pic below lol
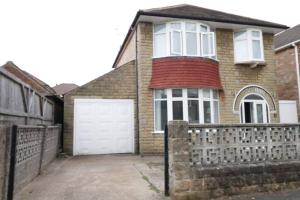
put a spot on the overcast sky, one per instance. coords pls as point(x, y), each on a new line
point(75, 41)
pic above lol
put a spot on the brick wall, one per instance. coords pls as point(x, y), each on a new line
point(150, 142)
point(120, 83)
point(233, 78)
point(287, 75)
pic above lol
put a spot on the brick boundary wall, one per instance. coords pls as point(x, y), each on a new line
point(36, 148)
point(204, 179)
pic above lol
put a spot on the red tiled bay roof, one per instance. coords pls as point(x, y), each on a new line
point(185, 72)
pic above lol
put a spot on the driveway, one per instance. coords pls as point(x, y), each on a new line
point(108, 177)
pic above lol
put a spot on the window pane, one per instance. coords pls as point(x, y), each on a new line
point(176, 42)
point(159, 28)
point(191, 43)
point(203, 28)
point(193, 109)
point(206, 93)
point(205, 43)
point(176, 26)
point(190, 27)
point(240, 35)
point(241, 50)
point(259, 110)
point(254, 97)
point(161, 118)
point(216, 94)
point(192, 93)
point(256, 49)
point(216, 112)
point(207, 112)
point(160, 94)
point(176, 92)
point(255, 34)
point(160, 45)
point(177, 110)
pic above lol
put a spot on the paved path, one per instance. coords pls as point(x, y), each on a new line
point(107, 177)
point(284, 195)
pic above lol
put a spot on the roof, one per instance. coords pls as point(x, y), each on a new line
point(29, 79)
point(200, 13)
point(185, 11)
point(286, 37)
point(64, 88)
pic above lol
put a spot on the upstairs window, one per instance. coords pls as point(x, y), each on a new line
point(183, 39)
point(248, 46)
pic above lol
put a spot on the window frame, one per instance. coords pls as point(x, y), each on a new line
point(249, 39)
point(266, 112)
point(170, 99)
point(184, 31)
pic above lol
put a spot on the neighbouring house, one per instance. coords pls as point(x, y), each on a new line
point(25, 99)
point(64, 88)
point(176, 63)
point(287, 51)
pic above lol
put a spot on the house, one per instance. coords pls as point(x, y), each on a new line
point(287, 51)
point(64, 88)
point(176, 63)
point(26, 99)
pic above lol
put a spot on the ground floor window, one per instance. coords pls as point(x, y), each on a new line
point(254, 109)
point(197, 106)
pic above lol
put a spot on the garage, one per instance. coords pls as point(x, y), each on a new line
point(103, 126)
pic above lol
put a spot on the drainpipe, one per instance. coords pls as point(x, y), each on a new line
point(297, 69)
point(137, 92)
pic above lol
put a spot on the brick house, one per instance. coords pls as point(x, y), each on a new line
point(287, 52)
point(176, 63)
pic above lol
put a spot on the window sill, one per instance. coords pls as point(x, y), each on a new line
point(158, 132)
point(251, 63)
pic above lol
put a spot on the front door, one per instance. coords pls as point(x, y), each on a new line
point(254, 109)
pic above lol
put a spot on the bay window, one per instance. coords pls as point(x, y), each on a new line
point(197, 106)
point(183, 39)
point(248, 46)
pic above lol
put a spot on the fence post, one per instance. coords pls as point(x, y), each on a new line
point(12, 164)
point(42, 147)
point(166, 135)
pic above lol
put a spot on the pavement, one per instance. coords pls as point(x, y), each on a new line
point(113, 177)
point(101, 177)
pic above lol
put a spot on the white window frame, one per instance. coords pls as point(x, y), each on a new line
point(250, 58)
point(162, 33)
point(265, 107)
point(184, 100)
point(183, 31)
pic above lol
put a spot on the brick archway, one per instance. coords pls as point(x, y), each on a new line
point(253, 89)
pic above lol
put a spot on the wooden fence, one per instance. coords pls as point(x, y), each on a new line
point(20, 104)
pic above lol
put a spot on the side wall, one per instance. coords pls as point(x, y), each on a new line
point(287, 75)
point(120, 83)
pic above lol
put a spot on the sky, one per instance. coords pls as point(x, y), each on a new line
point(76, 41)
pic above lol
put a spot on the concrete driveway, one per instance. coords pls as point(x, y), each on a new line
point(107, 177)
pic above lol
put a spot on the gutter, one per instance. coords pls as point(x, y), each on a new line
point(287, 45)
point(297, 69)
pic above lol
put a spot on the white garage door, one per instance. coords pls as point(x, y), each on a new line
point(103, 126)
point(288, 112)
